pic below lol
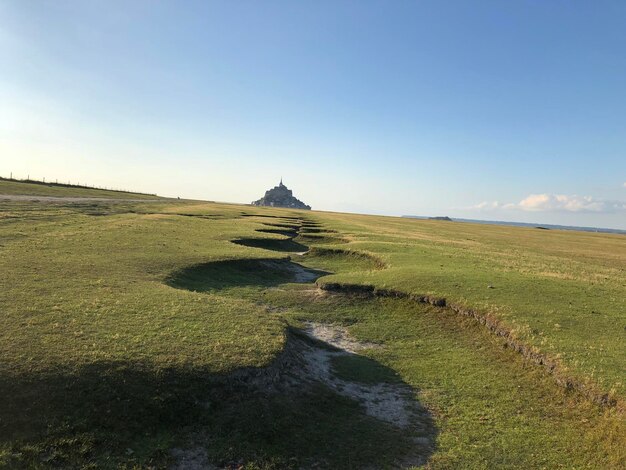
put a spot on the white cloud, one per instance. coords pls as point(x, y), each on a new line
point(625, 185)
point(487, 205)
point(557, 203)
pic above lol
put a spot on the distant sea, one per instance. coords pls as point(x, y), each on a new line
point(524, 224)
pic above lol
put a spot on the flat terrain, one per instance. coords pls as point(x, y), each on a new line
point(174, 334)
point(16, 190)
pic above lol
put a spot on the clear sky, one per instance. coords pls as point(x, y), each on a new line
point(506, 110)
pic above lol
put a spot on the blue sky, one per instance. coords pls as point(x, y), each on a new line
point(493, 110)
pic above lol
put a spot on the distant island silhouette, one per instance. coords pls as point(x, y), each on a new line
point(281, 196)
point(525, 224)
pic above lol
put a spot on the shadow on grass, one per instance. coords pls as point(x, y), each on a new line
point(115, 415)
point(241, 273)
point(284, 245)
point(302, 421)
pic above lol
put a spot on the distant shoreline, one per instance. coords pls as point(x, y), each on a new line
point(526, 224)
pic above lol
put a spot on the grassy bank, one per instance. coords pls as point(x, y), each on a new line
point(41, 188)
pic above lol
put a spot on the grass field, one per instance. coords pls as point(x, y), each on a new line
point(559, 291)
point(131, 330)
point(40, 188)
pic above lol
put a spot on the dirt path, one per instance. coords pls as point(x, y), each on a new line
point(336, 336)
point(393, 403)
point(308, 361)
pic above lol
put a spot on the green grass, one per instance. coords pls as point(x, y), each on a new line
point(562, 292)
point(38, 188)
point(120, 332)
point(339, 260)
point(492, 410)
